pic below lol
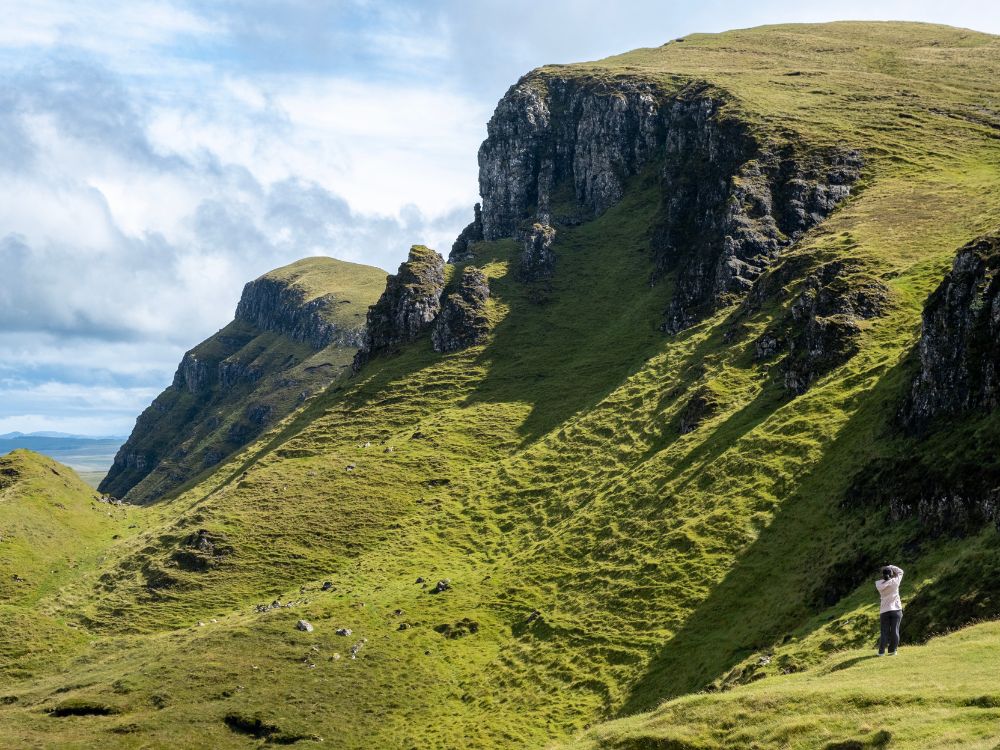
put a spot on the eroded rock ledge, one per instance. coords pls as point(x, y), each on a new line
point(275, 305)
point(462, 322)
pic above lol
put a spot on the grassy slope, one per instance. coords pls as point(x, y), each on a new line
point(52, 529)
point(191, 425)
point(544, 470)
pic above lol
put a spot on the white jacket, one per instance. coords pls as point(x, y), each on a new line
point(889, 591)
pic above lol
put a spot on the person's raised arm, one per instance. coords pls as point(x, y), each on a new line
point(897, 572)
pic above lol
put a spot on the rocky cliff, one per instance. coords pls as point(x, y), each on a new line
point(960, 339)
point(959, 362)
point(561, 149)
point(296, 330)
point(273, 305)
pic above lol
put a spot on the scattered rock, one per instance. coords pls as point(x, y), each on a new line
point(442, 585)
point(403, 626)
point(327, 585)
point(343, 631)
point(304, 626)
point(460, 629)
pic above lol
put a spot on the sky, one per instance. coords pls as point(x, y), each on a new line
point(155, 155)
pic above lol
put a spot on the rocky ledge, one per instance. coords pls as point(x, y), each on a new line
point(275, 305)
point(408, 306)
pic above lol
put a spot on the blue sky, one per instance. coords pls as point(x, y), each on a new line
point(155, 156)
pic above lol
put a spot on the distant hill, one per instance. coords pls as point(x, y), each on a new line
point(89, 457)
point(295, 332)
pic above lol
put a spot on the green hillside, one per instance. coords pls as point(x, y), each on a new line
point(941, 695)
point(618, 515)
point(53, 528)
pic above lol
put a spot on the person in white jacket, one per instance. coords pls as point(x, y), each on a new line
point(891, 609)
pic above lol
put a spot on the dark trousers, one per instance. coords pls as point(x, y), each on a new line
point(890, 630)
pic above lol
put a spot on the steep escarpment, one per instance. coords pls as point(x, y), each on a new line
point(562, 148)
point(296, 329)
point(948, 478)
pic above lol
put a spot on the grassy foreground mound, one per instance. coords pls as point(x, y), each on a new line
point(941, 695)
point(583, 516)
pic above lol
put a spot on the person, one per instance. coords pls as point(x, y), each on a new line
point(891, 609)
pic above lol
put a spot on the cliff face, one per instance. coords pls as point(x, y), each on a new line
point(272, 305)
point(560, 150)
point(960, 339)
point(958, 379)
point(550, 131)
point(463, 322)
point(296, 330)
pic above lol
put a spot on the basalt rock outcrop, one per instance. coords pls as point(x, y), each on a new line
point(537, 260)
point(561, 149)
point(270, 304)
point(461, 249)
point(825, 325)
point(960, 340)
point(462, 321)
point(408, 306)
point(296, 329)
point(549, 131)
point(959, 350)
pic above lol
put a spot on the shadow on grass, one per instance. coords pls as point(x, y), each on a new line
point(848, 663)
point(766, 592)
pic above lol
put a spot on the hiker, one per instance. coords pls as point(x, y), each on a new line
point(891, 609)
